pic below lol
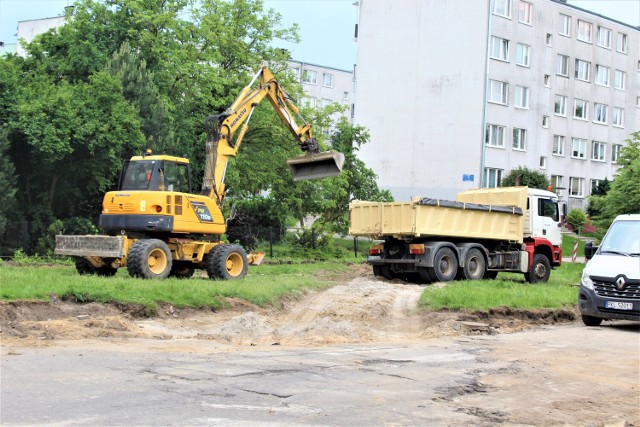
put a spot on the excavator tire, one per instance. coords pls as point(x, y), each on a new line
point(226, 262)
point(181, 271)
point(84, 267)
point(149, 259)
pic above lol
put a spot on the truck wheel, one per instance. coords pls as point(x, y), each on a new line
point(181, 271)
point(591, 321)
point(540, 270)
point(84, 267)
point(474, 265)
point(227, 262)
point(149, 259)
point(445, 266)
point(490, 275)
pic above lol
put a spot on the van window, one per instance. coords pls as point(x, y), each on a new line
point(548, 208)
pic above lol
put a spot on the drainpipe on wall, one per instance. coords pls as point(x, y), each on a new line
point(486, 97)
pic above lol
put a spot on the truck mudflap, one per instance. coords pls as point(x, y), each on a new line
point(87, 246)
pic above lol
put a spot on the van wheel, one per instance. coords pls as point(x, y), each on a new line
point(226, 262)
point(445, 266)
point(540, 270)
point(149, 259)
point(591, 321)
point(474, 265)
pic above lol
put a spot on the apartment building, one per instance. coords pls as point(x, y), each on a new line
point(457, 93)
point(323, 85)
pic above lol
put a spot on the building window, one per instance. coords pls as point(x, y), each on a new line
point(604, 37)
point(562, 65)
point(578, 148)
point(522, 54)
point(618, 117)
point(495, 135)
point(584, 31)
point(498, 92)
point(619, 79)
point(557, 181)
point(309, 76)
point(602, 75)
point(565, 25)
point(502, 8)
point(492, 177)
point(600, 113)
point(582, 70)
point(545, 121)
point(519, 139)
point(561, 105)
point(598, 151)
point(549, 39)
point(622, 44)
point(580, 109)
point(615, 152)
point(327, 80)
point(547, 80)
point(524, 12)
point(576, 187)
point(558, 145)
point(522, 97)
point(543, 162)
point(499, 48)
point(345, 96)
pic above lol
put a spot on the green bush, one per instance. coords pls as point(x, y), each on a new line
point(577, 218)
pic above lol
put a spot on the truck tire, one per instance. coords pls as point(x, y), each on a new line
point(383, 271)
point(226, 262)
point(445, 266)
point(180, 270)
point(474, 266)
point(591, 321)
point(540, 270)
point(149, 259)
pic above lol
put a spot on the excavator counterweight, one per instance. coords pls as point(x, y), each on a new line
point(316, 165)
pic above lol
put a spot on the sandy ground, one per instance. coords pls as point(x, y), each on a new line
point(359, 309)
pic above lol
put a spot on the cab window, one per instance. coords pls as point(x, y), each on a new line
point(548, 208)
point(176, 177)
point(138, 175)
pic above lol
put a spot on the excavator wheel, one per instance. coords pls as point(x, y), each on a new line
point(226, 262)
point(84, 267)
point(149, 259)
point(181, 270)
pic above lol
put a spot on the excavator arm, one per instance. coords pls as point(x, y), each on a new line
point(226, 131)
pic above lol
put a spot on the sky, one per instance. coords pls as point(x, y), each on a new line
point(326, 26)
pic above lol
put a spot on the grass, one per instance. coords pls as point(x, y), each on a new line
point(263, 286)
point(508, 290)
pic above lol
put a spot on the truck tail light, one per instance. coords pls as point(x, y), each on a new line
point(416, 249)
point(376, 250)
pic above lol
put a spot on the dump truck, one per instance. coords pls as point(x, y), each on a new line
point(156, 226)
point(481, 233)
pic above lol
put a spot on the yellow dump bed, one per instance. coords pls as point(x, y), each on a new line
point(493, 213)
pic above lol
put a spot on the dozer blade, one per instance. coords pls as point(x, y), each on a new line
point(316, 165)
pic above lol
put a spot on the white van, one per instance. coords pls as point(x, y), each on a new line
point(610, 284)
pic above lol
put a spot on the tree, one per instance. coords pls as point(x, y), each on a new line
point(526, 177)
point(624, 195)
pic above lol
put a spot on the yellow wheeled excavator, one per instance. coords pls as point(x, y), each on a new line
point(154, 223)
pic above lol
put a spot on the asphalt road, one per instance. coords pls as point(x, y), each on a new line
point(565, 374)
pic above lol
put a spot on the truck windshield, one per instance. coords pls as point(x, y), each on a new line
point(622, 237)
point(548, 208)
point(138, 175)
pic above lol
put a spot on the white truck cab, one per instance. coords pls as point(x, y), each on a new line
point(610, 284)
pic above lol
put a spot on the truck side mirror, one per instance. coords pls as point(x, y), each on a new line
point(589, 249)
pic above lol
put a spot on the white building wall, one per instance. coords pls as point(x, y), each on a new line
point(421, 74)
point(420, 92)
point(28, 30)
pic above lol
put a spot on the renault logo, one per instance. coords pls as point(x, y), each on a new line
point(620, 282)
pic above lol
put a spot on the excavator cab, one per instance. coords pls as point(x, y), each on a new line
point(156, 173)
point(316, 165)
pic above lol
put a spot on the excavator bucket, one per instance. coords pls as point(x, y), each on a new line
point(316, 165)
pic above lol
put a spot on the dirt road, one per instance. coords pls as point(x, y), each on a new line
point(547, 369)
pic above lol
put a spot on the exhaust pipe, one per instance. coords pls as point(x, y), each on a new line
point(316, 165)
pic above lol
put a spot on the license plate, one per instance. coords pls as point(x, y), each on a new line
point(616, 305)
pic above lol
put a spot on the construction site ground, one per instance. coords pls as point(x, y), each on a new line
point(543, 367)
